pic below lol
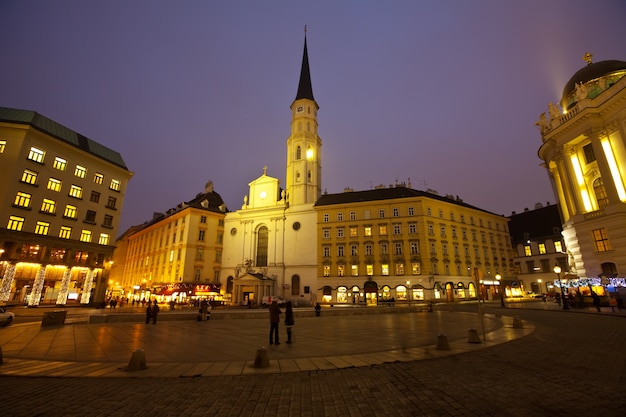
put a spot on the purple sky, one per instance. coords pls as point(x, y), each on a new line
point(445, 93)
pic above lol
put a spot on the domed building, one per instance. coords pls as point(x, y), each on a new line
point(584, 150)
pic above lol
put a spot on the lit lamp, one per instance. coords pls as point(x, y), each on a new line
point(499, 278)
point(557, 271)
point(408, 291)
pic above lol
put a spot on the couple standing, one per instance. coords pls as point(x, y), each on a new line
point(275, 319)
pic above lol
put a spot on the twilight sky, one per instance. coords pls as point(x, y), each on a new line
point(444, 92)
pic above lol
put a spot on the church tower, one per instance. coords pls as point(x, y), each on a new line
point(304, 165)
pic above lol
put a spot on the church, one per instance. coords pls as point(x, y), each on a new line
point(270, 244)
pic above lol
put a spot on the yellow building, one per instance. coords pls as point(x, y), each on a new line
point(374, 245)
point(584, 150)
point(61, 197)
point(175, 256)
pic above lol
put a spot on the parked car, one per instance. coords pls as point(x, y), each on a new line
point(6, 317)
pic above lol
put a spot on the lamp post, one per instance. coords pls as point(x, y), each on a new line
point(408, 291)
point(557, 271)
point(499, 278)
point(539, 284)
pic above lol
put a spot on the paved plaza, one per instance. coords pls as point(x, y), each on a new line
point(559, 363)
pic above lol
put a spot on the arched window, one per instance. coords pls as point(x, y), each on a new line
point(295, 285)
point(600, 192)
point(261, 246)
point(229, 285)
point(298, 153)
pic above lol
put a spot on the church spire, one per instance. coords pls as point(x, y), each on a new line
point(305, 90)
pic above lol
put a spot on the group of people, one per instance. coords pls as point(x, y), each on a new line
point(275, 320)
point(151, 312)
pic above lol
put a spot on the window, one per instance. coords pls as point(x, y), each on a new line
point(326, 217)
point(111, 202)
point(431, 230)
point(381, 213)
point(366, 214)
point(399, 269)
point(326, 251)
point(355, 270)
point(36, 155)
point(433, 248)
point(397, 229)
point(542, 248)
point(54, 184)
point(384, 249)
point(353, 215)
point(48, 206)
point(326, 233)
point(218, 256)
point(262, 246)
point(412, 228)
point(339, 217)
point(76, 191)
point(589, 154)
point(22, 200)
point(108, 221)
point(326, 270)
point(341, 270)
point(396, 212)
point(29, 177)
point(384, 269)
point(382, 230)
point(601, 240)
point(353, 231)
point(85, 236)
point(600, 192)
point(95, 197)
point(202, 219)
point(104, 239)
point(411, 211)
point(369, 270)
point(340, 250)
point(59, 163)
point(429, 211)
point(397, 248)
point(414, 248)
point(42, 228)
point(340, 232)
point(201, 235)
point(15, 223)
point(80, 171)
point(354, 250)
point(90, 217)
point(115, 185)
point(441, 214)
point(527, 251)
point(368, 249)
point(368, 231)
point(415, 268)
point(70, 212)
point(3, 144)
point(65, 232)
point(558, 247)
point(443, 231)
point(98, 178)
point(454, 232)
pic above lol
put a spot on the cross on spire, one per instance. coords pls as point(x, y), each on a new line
point(265, 169)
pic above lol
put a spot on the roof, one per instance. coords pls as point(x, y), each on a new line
point(391, 193)
point(305, 89)
point(535, 224)
point(62, 133)
point(591, 72)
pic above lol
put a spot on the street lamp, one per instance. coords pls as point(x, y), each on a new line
point(499, 278)
point(539, 284)
point(408, 291)
point(557, 271)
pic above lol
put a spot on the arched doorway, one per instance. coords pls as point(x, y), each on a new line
point(370, 288)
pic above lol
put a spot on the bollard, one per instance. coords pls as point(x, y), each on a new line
point(137, 361)
point(472, 336)
point(262, 359)
point(517, 323)
point(442, 342)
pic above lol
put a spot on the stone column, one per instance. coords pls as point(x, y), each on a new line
point(65, 285)
point(7, 280)
point(86, 295)
point(35, 295)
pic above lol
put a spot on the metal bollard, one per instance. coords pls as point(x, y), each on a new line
point(442, 342)
point(262, 359)
point(517, 323)
point(472, 336)
point(137, 361)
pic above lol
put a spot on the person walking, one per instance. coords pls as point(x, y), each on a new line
point(274, 320)
point(155, 311)
point(148, 313)
point(289, 322)
point(596, 300)
point(318, 308)
point(204, 309)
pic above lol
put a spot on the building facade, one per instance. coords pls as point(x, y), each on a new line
point(399, 244)
point(270, 246)
point(61, 198)
point(176, 256)
point(584, 150)
point(538, 245)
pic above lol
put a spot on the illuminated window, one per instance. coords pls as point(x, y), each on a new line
point(353, 231)
point(59, 163)
point(22, 200)
point(104, 239)
point(98, 178)
point(70, 212)
point(36, 155)
point(558, 247)
point(399, 269)
point(527, 251)
point(80, 171)
point(385, 269)
point(85, 236)
point(76, 191)
point(115, 185)
point(542, 248)
point(54, 184)
point(355, 270)
point(341, 270)
point(369, 270)
point(15, 223)
point(601, 240)
point(42, 228)
point(415, 268)
point(326, 270)
point(29, 177)
point(3, 144)
point(65, 232)
point(48, 206)
point(382, 230)
point(368, 231)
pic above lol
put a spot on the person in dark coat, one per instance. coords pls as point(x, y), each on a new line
point(289, 322)
point(318, 308)
point(596, 300)
point(155, 311)
point(274, 320)
point(148, 313)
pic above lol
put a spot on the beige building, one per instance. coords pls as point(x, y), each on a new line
point(584, 150)
point(269, 245)
point(61, 198)
point(408, 245)
point(174, 256)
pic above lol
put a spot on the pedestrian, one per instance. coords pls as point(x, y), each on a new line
point(289, 322)
point(204, 308)
point(155, 311)
point(148, 313)
point(274, 320)
point(596, 300)
point(318, 308)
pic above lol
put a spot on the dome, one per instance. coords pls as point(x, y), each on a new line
point(588, 73)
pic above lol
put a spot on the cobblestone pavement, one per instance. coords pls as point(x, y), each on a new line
point(573, 364)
